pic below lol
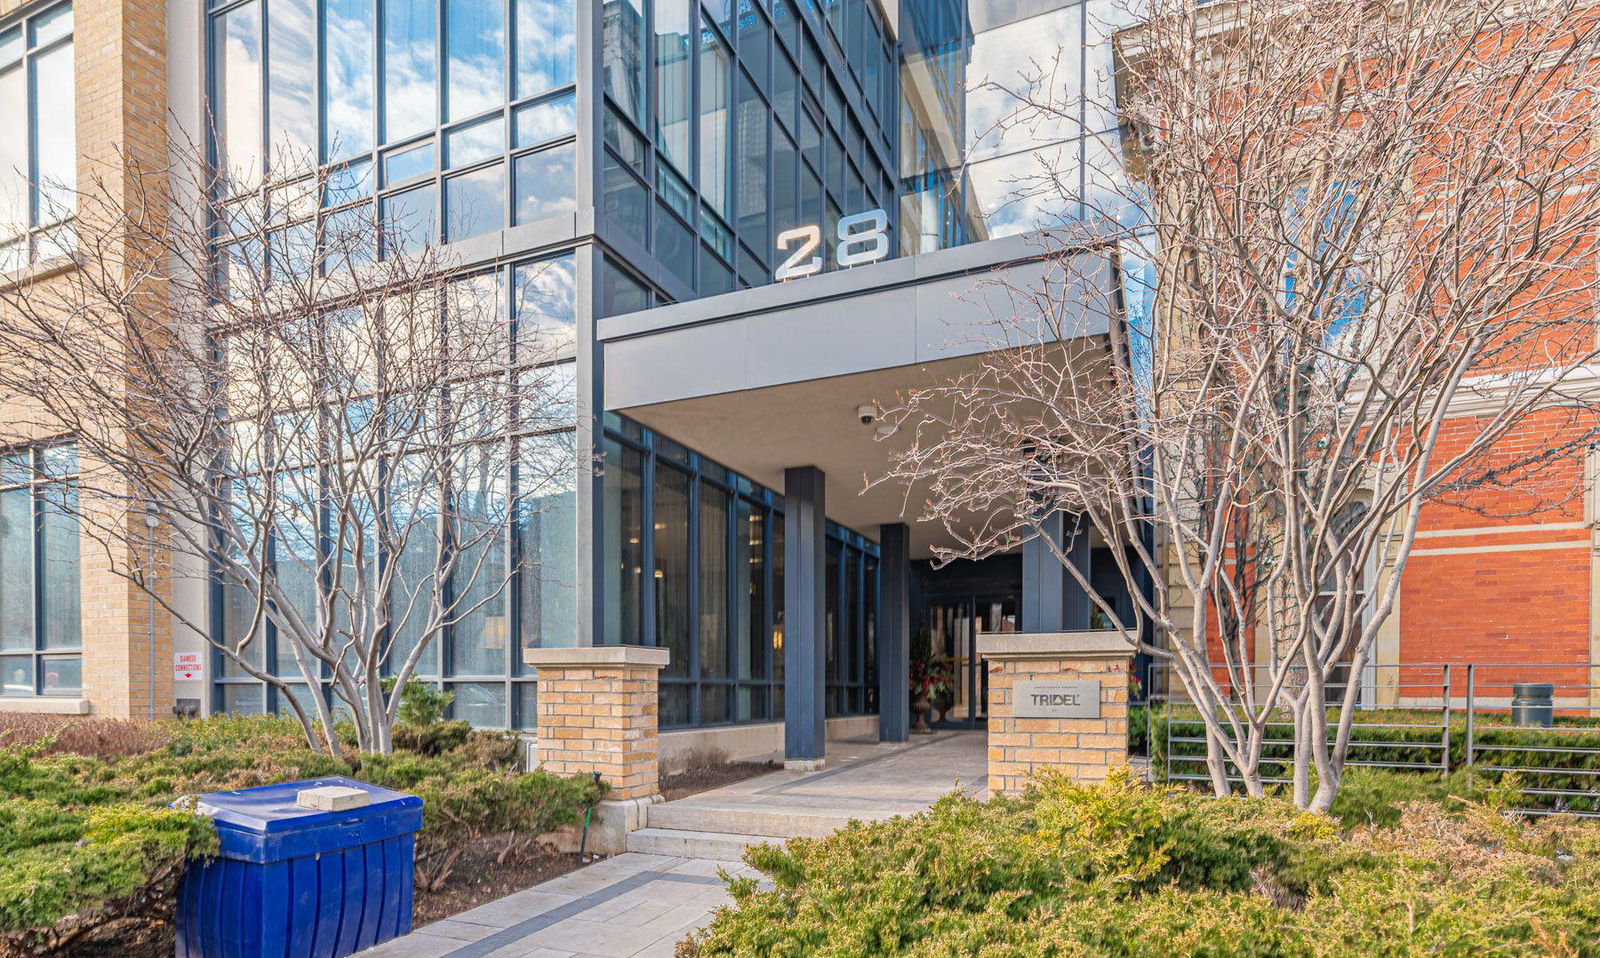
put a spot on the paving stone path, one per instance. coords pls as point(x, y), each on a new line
point(639, 904)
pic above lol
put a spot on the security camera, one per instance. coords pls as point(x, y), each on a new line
point(866, 412)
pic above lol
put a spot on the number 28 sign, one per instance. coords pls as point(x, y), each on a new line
point(862, 238)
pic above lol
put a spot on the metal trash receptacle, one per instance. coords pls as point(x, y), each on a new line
point(1533, 703)
point(291, 880)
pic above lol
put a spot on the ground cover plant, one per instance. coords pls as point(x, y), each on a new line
point(91, 852)
point(1129, 868)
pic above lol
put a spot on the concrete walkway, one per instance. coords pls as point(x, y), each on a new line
point(642, 903)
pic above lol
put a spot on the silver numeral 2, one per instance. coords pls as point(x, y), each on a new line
point(797, 265)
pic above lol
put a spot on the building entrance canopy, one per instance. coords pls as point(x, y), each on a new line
point(776, 377)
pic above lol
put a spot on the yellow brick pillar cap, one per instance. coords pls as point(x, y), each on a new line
point(613, 656)
point(1025, 646)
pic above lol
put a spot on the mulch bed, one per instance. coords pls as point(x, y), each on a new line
point(706, 777)
point(479, 879)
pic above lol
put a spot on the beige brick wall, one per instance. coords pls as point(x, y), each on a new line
point(600, 716)
point(121, 107)
point(1085, 748)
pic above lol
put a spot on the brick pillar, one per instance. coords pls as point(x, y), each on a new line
point(1056, 700)
point(597, 713)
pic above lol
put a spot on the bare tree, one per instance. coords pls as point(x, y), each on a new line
point(1362, 236)
point(315, 412)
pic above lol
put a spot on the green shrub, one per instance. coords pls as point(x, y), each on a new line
point(87, 839)
point(1125, 868)
point(473, 792)
point(77, 854)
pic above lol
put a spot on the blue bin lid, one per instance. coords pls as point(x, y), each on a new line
point(264, 824)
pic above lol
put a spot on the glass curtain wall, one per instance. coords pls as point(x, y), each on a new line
point(696, 566)
point(450, 119)
point(729, 121)
point(976, 161)
point(479, 658)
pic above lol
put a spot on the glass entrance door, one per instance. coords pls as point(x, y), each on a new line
point(955, 624)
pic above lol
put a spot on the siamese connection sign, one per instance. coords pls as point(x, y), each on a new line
point(862, 238)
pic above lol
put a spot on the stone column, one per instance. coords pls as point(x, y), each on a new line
point(597, 709)
point(1056, 700)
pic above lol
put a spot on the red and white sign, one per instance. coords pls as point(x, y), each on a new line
point(188, 665)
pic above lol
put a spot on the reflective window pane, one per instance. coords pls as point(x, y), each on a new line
point(410, 76)
point(482, 704)
point(547, 541)
point(11, 46)
point(623, 49)
point(674, 72)
point(543, 308)
point(671, 541)
point(751, 166)
point(347, 78)
point(713, 624)
point(623, 505)
point(472, 144)
point(478, 640)
point(476, 56)
point(51, 25)
point(404, 164)
point(620, 292)
point(291, 75)
point(548, 120)
point(14, 158)
point(546, 183)
point(715, 118)
point(547, 45)
point(61, 600)
point(244, 699)
point(236, 105)
point(60, 674)
point(626, 201)
point(526, 704)
point(16, 675)
point(475, 202)
point(410, 219)
point(16, 569)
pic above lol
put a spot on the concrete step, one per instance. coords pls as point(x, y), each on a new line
point(717, 846)
point(743, 820)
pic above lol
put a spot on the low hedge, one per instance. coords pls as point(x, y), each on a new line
point(1125, 868)
point(88, 839)
point(1394, 736)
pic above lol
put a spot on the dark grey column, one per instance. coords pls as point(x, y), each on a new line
point(1041, 579)
point(894, 632)
point(1052, 600)
point(1075, 603)
point(805, 554)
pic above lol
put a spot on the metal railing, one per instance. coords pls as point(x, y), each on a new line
point(1424, 718)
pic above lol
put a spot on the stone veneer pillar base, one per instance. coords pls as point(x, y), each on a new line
point(597, 712)
point(1085, 748)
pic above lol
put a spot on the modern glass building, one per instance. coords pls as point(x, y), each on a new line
point(641, 174)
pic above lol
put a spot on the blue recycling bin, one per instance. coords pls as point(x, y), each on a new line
point(295, 881)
